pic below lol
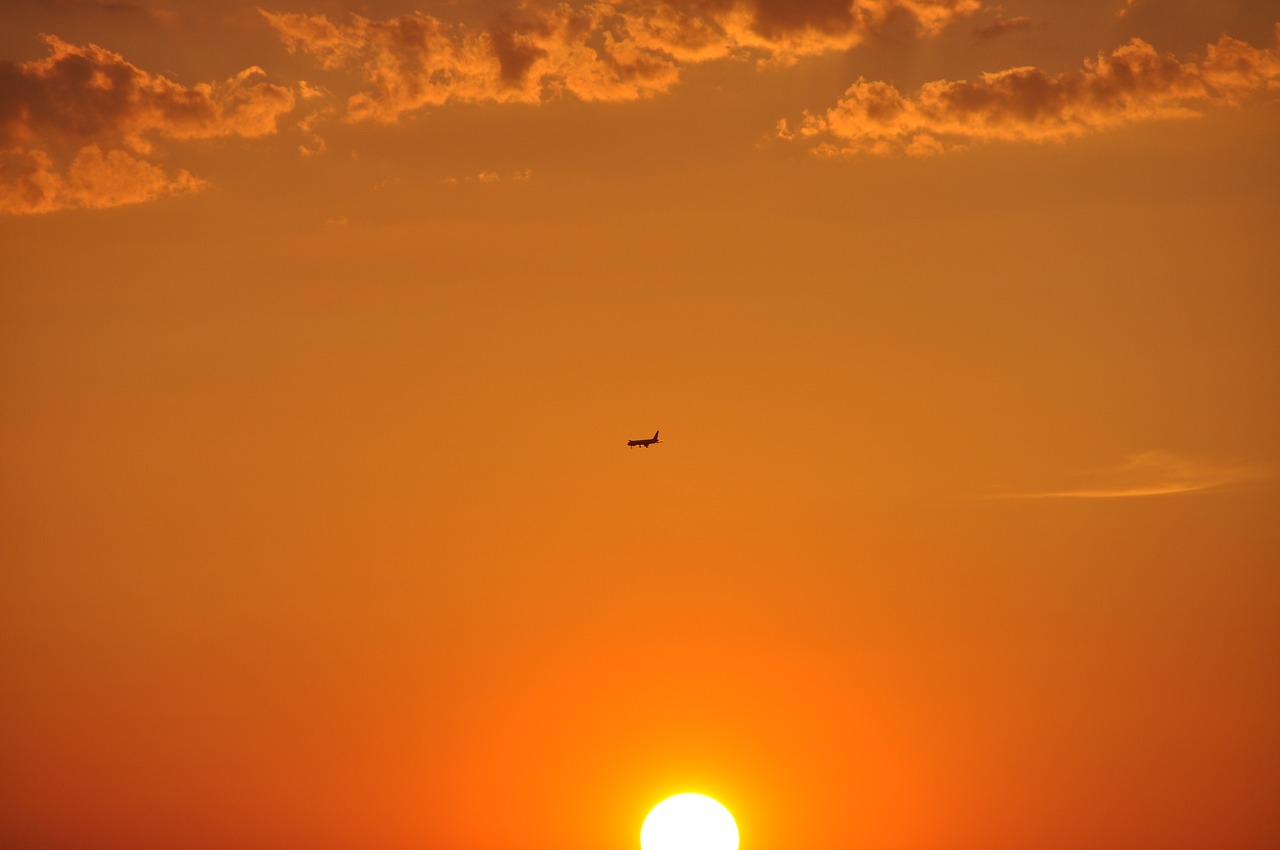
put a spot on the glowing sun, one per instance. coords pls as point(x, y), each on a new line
point(689, 822)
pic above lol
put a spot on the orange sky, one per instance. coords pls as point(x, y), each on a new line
point(323, 328)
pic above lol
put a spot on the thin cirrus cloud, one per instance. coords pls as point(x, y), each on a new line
point(1133, 83)
point(619, 51)
point(1150, 474)
point(77, 128)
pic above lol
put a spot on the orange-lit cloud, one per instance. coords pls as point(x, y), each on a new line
point(94, 180)
point(491, 177)
point(77, 127)
point(604, 51)
point(1151, 474)
point(1133, 83)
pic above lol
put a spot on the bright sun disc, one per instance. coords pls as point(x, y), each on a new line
point(689, 822)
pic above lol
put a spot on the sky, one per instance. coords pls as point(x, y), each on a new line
point(323, 327)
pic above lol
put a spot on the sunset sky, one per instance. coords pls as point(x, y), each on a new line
point(324, 325)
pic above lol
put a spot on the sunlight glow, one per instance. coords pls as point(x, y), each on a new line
point(689, 822)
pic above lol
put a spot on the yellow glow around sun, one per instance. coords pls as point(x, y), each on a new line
point(689, 822)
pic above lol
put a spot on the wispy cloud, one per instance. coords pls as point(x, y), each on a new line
point(1133, 83)
point(491, 177)
point(111, 7)
point(1000, 26)
point(1150, 474)
point(604, 51)
point(77, 128)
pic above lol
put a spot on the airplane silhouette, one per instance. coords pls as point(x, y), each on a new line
point(645, 443)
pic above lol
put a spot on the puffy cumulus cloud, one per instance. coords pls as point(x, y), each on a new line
point(785, 30)
point(94, 180)
point(1132, 83)
point(92, 93)
point(77, 127)
point(595, 51)
point(416, 60)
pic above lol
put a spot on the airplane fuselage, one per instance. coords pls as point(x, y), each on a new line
point(644, 443)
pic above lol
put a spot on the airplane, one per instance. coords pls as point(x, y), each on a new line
point(645, 443)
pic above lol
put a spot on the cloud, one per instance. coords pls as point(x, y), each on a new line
point(602, 51)
point(1133, 83)
point(489, 177)
point(1151, 474)
point(94, 180)
point(93, 93)
point(110, 7)
point(98, 115)
point(1000, 26)
point(313, 143)
point(415, 61)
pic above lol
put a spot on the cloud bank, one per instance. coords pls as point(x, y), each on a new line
point(77, 127)
point(604, 51)
point(1132, 83)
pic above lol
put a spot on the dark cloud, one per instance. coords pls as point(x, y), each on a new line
point(1000, 26)
point(773, 17)
point(624, 50)
point(516, 55)
point(92, 109)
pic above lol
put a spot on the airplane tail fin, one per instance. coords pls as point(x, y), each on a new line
point(655, 435)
